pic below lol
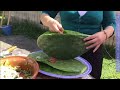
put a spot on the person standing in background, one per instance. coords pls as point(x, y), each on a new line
point(100, 25)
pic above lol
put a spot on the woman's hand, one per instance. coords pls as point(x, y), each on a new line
point(95, 40)
point(55, 26)
point(52, 24)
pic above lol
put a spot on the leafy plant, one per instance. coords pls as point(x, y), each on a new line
point(3, 20)
point(27, 28)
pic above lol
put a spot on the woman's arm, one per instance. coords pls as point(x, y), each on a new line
point(47, 19)
point(109, 22)
point(109, 31)
point(109, 25)
point(47, 15)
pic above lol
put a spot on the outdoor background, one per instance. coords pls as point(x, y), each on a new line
point(27, 23)
point(34, 17)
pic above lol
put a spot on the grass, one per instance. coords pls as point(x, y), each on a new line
point(109, 70)
point(31, 30)
point(109, 64)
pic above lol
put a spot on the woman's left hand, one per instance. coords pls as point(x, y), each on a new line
point(95, 40)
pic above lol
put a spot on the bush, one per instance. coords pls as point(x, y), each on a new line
point(27, 28)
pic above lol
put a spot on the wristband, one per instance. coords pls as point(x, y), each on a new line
point(105, 34)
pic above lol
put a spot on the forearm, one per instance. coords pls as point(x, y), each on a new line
point(52, 24)
point(45, 19)
point(109, 31)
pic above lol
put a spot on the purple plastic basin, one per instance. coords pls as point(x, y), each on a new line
point(82, 60)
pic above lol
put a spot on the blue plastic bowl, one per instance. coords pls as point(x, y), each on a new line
point(6, 30)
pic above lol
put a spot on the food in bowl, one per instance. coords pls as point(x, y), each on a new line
point(9, 72)
point(18, 67)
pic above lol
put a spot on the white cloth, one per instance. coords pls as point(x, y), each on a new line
point(81, 13)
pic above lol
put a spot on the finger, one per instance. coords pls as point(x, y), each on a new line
point(59, 25)
point(60, 28)
point(91, 41)
point(91, 46)
point(54, 28)
point(89, 38)
point(57, 28)
point(96, 48)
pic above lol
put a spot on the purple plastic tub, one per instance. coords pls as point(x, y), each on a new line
point(82, 60)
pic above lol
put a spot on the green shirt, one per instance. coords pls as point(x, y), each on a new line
point(90, 23)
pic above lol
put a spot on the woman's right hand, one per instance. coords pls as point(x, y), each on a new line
point(55, 26)
point(52, 24)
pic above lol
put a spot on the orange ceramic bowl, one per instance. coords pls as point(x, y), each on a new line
point(25, 63)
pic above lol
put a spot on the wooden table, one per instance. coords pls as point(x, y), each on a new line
point(25, 46)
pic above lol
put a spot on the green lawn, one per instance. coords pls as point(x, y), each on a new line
point(31, 30)
point(109, 64)
point(109, 70)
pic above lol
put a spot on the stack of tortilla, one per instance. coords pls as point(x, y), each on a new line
point(69, 67)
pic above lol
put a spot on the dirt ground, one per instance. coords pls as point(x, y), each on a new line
point(24, 44)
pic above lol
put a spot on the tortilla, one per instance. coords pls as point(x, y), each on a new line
point(71, 66)
point(49, 69)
